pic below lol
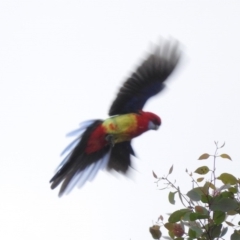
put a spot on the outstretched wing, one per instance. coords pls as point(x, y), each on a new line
point(78, 167)
point(147, 80)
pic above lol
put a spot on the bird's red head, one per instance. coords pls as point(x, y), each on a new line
point(153, 121)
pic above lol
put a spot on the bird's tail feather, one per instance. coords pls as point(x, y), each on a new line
point(78, 167)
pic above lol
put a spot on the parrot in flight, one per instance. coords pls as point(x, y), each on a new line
point(106, 143)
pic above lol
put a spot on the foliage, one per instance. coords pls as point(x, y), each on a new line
point(207, 207)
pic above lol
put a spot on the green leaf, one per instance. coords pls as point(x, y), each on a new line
point(227, 178)
point(229, 224)
point(192, 233)
point(200, 179)
point(180, 196)
point(235, 235)
point(215, 231)
point(195, 194)
point(219, 217)
point(170, 233)
point(202, 170)
point(232, 213)
point(224, 231)
point(233, 189)
point(223, 204)
point(206, 198)
point(195, 216)
point(154, 174)
point(201, 210)
point(171, 196)
point(197, 230)
point(204, 156)
point(155, 231)
point(186, 216)
point(226, 194)
point(224, 155)
point(202, 216)
point(177, 215)
point(170, 170)
point(169, 226)
point(208, 185)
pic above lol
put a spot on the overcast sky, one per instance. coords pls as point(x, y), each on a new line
point(62, 62)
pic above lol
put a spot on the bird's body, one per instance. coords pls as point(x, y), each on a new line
point(107, 143)
point(120, 128)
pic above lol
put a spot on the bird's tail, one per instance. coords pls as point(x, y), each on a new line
point(79, 167)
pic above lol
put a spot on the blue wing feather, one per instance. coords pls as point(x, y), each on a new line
point(147, 81)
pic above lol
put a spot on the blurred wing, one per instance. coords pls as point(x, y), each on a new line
point(79, 167)
point(120, 157)
point(147, 80)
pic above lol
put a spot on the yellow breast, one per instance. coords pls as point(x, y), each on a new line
point(122, 127)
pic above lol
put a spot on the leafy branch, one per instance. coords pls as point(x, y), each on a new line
point(206, 206)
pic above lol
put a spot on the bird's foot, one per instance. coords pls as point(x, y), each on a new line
point(110, 139)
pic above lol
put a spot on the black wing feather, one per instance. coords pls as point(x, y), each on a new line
point(147, 80)
point(73, 168)
point(120, 157)
point(77, 161)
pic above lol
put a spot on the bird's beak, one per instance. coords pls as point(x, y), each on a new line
point(152, 126)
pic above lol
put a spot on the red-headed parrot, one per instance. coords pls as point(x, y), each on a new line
point(107, 143)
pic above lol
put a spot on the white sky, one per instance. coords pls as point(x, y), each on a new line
point(62, 62)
